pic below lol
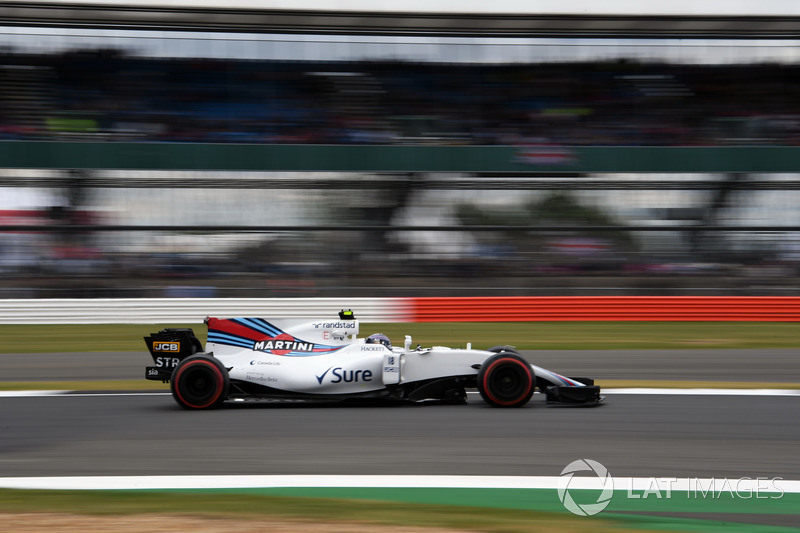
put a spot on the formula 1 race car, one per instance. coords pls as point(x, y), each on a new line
point(247, 358)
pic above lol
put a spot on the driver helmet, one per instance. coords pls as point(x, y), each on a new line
point(379, 338)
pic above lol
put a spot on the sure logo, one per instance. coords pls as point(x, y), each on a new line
point(166, 346)
point(340, 375)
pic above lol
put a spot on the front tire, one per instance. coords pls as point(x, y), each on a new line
point(506, 380)
point(503, 348)
point(200, 382)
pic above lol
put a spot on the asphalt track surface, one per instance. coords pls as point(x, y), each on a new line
point(636, 435)
point(632, 435)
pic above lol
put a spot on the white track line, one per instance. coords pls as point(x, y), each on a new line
point(774, 485)
point(47, 393)
point(31, 393)
point(705, 392)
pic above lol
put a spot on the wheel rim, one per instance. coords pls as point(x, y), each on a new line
point(199, 384)
point(509, 382)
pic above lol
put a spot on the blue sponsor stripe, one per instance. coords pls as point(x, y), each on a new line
point(299, 354)
point(567, 381)
point(251, 324)
point(229, 340)
point(311, 354)
point(267, 326)
point(229, 336)
point(261, 326)
point(238, 345)
point(320, 348)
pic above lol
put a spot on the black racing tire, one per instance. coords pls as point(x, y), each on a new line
point(506, 380)
point(200, 382)
point(503, 348)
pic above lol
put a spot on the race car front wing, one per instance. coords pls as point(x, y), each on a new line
point(588, 394)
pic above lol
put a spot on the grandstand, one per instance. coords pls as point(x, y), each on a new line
point(163, 172)
point(109, 95)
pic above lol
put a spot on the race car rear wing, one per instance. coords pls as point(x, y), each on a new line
point(169, 347)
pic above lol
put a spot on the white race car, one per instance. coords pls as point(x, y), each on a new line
point(251, 358)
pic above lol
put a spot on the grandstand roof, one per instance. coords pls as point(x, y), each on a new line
point(247, 16)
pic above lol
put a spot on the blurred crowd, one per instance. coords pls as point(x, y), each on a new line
point(111, 95)
point(107, 94)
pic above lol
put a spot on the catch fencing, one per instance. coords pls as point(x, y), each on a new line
point(381, 310)
point(607, 308)
point(193, 310)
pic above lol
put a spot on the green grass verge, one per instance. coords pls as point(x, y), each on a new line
point(71, 338)
point(602, 335)
point(502, 511)
point(315, 510)
point(524, 335)
point(98, 385)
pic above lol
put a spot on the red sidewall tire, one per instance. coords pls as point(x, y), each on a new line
point(200, 382)
point(503, 348)
point(506, 380)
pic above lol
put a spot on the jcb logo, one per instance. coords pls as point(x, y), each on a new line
point(166, 347)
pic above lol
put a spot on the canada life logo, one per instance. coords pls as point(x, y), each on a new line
point(601, 480)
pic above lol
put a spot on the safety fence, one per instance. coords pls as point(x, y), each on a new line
point(457, 309)
point(623, 308)
point(193, 310)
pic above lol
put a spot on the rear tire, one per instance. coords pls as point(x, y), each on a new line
point(200, 382)
point(506, 380)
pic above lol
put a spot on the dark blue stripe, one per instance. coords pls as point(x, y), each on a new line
point(262, 327)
